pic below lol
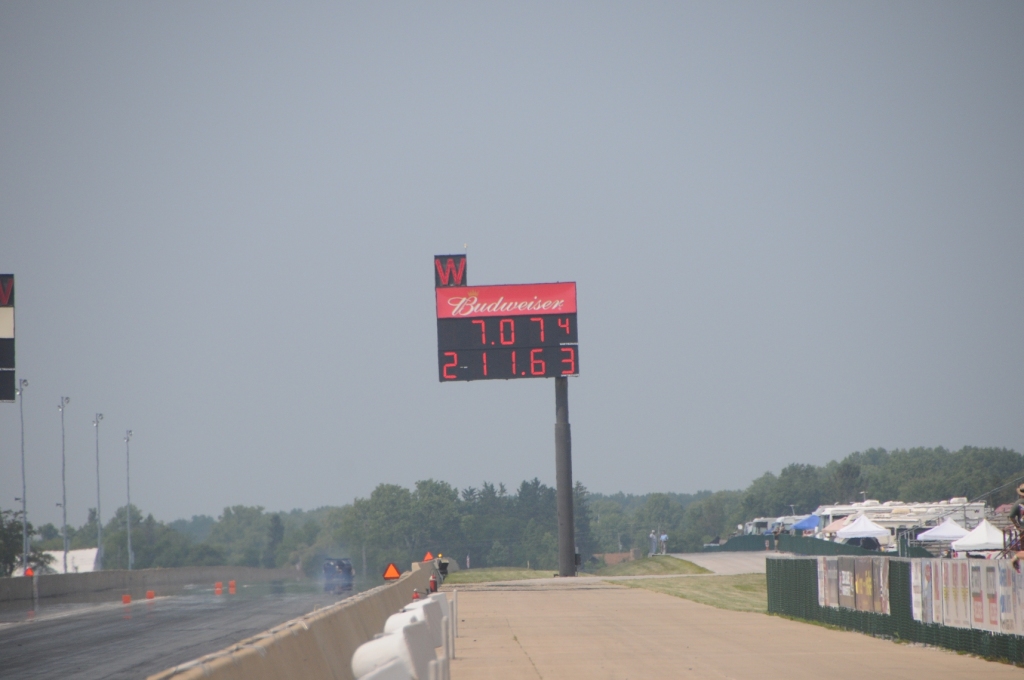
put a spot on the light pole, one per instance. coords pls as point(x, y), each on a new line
point(22, 384)
point(99, 521)
point(128, 510)
point(64, 401)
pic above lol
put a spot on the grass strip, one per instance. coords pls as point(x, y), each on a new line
point(490, 574)
point(742, 592)
point(651, 566)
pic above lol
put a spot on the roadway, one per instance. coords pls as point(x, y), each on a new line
point(112, 640)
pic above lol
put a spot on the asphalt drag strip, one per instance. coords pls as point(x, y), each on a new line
point(112, 640)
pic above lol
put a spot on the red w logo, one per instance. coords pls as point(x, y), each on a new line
point(6, 288)
point(449, 270)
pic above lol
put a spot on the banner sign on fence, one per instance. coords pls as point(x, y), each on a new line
point(1007, 620)
point(847, 596)
point(956, 594)
point(926, 589)
point(916, 601)
point(862, 584)
point(984, 596)
point(935, 567)
point(832, 578)
point(882, 584)
point(822, 582)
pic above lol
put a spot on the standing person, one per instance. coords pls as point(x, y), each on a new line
point(664, 544)
point(1017, 512)
point(653, 541)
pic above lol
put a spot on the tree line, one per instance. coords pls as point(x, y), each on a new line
point(492, 526)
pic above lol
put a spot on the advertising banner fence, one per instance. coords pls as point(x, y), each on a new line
point(967, 605)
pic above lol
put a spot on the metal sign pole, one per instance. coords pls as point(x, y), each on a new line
point(563, 479)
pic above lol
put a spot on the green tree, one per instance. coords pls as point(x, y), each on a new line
point(275, 536)
point(12, 544)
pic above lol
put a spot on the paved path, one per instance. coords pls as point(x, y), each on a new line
point(728, 562)
point(599, 632)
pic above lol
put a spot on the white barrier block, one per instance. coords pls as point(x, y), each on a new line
point(442, 600)
point(402, 619)
point(411, 645)
point(395, 670)
point(433, 614)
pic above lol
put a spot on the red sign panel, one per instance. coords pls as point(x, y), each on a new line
point(510, 300)
point(449, 270)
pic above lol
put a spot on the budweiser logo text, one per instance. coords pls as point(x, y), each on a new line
point(471, 306)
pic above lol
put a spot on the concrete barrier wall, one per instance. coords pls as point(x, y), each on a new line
point(136, 582)
point(318, 645)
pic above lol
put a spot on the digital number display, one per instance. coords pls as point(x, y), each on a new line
point(506, 332)
point(507, 363)
point(545, 330)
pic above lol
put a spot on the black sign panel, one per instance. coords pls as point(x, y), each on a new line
point(536, 330)
point(6, 352)
point(8, 389)
point(449, 271)
point(505, 363)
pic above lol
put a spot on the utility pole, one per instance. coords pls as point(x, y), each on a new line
point(128, 510)
point(22, 384)
point(99, 520)
point(64, 401)
point(563, 480)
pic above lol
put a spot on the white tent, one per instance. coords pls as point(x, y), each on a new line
point(983, 537)
point(947, 531)
point(862, 528)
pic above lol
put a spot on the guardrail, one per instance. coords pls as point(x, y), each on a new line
point(973, 606)
point(317, 645)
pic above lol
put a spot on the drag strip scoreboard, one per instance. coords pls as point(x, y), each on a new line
point(503, 332)
point(7, 382)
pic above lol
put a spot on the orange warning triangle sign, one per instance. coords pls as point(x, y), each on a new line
point(391, 573)
point(429, 556)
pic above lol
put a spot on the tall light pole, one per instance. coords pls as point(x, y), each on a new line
point(99, 520)
point(22, 384)
point(128, 512)
point(64, 401)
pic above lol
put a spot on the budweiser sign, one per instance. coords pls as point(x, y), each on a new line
point(512, 300)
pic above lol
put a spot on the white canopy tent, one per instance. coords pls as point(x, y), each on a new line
point(983, 537)
point(862, 527)
point(947, 531)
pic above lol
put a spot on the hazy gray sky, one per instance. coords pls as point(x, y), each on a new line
point(797, 231)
